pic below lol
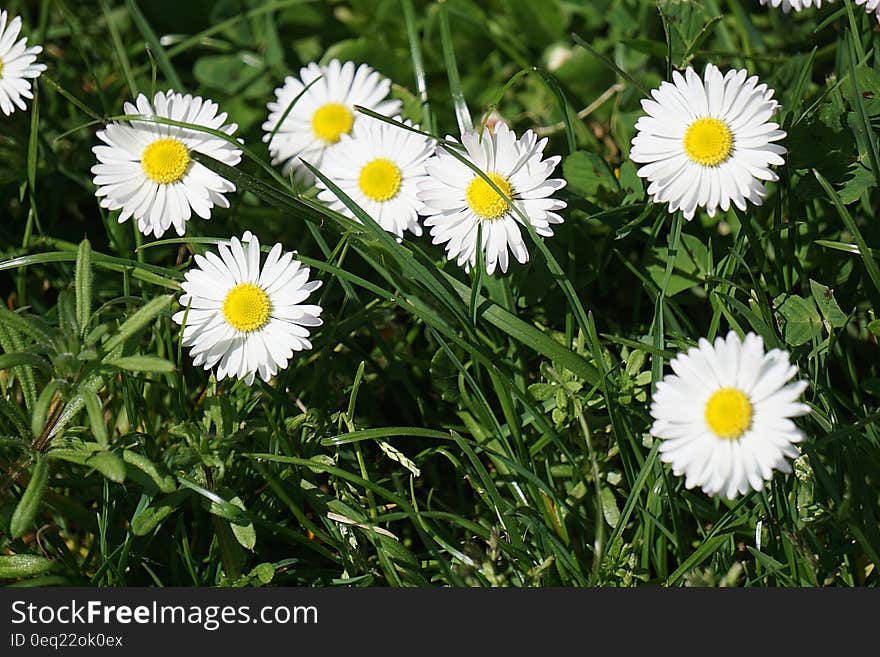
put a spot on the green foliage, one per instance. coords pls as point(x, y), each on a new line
point(446, 429)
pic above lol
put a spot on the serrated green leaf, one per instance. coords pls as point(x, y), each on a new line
point(860, 180)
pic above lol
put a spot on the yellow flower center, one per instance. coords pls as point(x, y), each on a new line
point(331, 121)
point(708, 142)
point(165, 160)
point(1, 68)
point(485, 201)
point(380, 180)
point(247, 307)
point(728, 413)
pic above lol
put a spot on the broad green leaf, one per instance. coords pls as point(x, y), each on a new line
point(801, 322)
point(860, 180)
point(152, 516)
point(91, 455)
point(41, 410)
point(587, 174)
point(96, 416)
point(157, 474)
point(142, 364)
point(610, 510)
point(265, 572)
point(246, 535)
point(13, 566)
point(109, 465)
point(689, 267)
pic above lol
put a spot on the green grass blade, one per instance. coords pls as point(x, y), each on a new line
point(155, 46)
point(610, 64)
point(866, 253)
point(415, 51)
point(121, 55)
point(858, 103)
point(136, 322)
point(462, 113)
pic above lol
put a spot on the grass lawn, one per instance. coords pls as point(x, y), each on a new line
point(444, 425)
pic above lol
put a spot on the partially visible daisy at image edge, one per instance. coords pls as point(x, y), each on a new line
point(724, 414)
point(799, 5)
point(146, 169)
point(459, 203)
point(708, 142)
point(17, 65)
point(871, 6)
point(379, 165)
point(312, 125)
point(245, 319)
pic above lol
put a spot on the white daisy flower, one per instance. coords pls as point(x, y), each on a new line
point(458, 201)
point(724, 415)
point(708, 142)
point(797, 5)
point(245, 319)
point(379, 166)
point(145, 168)
point(315, 123)
point(871, 6)
point(17, 65)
